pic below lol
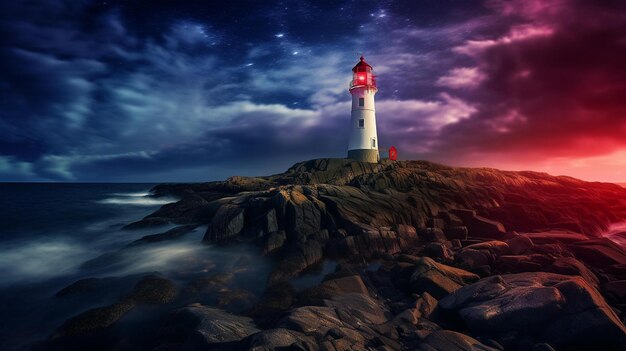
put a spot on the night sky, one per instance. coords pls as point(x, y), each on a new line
point(150, 91)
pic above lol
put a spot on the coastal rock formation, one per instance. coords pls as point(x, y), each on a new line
point(428, 257)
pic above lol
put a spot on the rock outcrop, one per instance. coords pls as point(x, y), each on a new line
point(429, 258)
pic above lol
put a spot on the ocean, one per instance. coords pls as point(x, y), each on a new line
point(54, 234)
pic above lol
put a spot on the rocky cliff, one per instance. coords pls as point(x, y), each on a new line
point(468, 259)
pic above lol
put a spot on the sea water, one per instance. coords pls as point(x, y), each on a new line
point(53, 234)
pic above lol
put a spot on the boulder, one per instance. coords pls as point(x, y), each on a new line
point(300, 215)
point(564, 311)
point(274, 241)
point(348, 321)
point(347, 284)
point(494, 247)
point(479, 226)
point(439, 251)
point(407, 236)
point(438, 279)
point(433, 235)
point(470, 259)
point(153, 290)
point(572, 266)
point(94, 319)
point(269, 222)
point(599, 253)
point(191, 208)
point(199, 326)
point(226, 225)
point(312, 320)
point(520, 244)
point(373, 242)
point(424, 306)
point(355, 309)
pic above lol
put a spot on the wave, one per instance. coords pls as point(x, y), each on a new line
point(136, 199)
point(136, 194)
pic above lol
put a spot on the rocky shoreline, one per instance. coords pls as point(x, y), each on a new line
point(465, 259)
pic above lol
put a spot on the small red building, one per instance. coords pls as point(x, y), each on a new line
point(393, 153)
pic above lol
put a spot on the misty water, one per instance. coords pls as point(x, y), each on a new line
point(55, 234)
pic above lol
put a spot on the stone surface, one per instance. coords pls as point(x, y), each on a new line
point(274, 241)
point(153, 290)
point(480, 226)
point(204, 326)
point(94, 319)
point(226, 224)
point(520, 244)
point(599, 253)
point(563, 310)
point(438, 279)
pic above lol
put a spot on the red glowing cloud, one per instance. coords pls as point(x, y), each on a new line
point(550, 93)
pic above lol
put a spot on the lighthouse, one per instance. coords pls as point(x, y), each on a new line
point(363, 144)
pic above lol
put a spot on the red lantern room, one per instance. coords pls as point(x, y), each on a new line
point(362, 75)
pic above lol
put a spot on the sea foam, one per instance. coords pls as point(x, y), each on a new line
point(137, 199)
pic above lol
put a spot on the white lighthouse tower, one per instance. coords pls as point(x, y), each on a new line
point(363, 144)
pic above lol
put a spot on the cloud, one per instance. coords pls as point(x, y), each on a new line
point(547, 92)
point(464, 77)
point(10, 168)
point(516, 34)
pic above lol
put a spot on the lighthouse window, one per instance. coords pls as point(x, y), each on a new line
point(374, 142)
point(361, 123)
point(361, 102)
